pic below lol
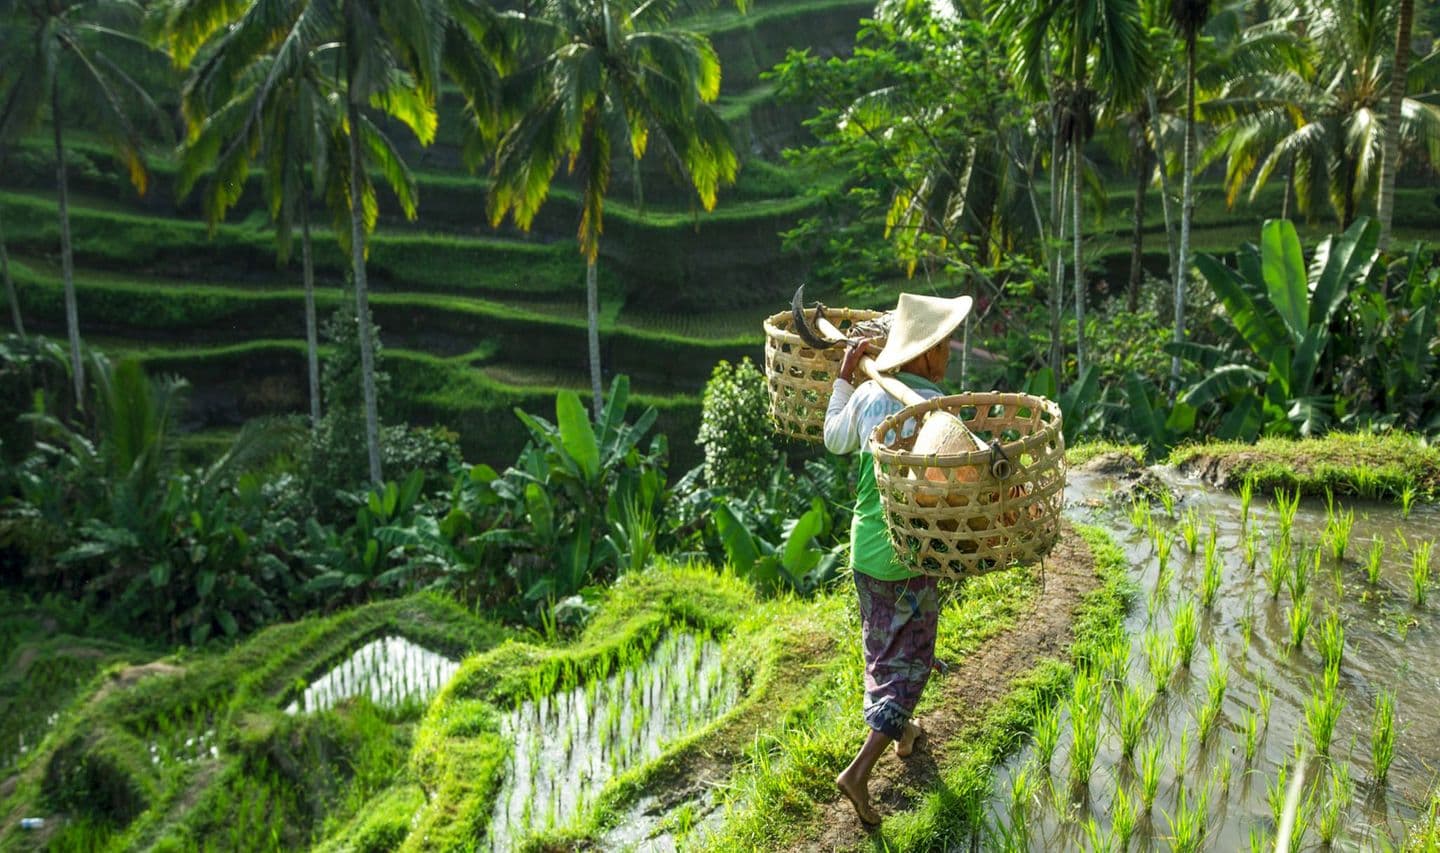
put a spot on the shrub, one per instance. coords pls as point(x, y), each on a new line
point(337, 450)
point(735, 430)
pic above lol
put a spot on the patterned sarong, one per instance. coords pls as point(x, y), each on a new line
point(898, 621)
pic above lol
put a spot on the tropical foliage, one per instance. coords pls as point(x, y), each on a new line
point(610, 75)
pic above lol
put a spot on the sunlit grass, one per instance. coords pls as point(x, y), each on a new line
point(1420, 571)
point(1382, 736)
point(1322, 711)
point(1374, 560)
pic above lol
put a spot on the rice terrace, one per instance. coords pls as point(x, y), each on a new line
point(790, 425)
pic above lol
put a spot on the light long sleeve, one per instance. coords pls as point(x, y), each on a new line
point(842, 421)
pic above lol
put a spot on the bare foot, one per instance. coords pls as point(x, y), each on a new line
point(856, 792)
point(906, 744)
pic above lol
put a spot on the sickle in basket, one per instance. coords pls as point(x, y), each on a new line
point(950, 435)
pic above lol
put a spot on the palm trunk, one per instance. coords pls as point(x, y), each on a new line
point(312, 343)
point(1289, 190)
point(10, 295)
point(1137, 237)
point(1390, 162)
point(1163, 164)
point(592, 321)
point(1187, 213)
point(67, 263)
point(1076, 167)
point(362, 298)
point(1057, 258)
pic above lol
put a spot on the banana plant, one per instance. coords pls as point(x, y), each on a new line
point(797, 562)
point(1084, 404)
point(381, 548)
point(581, 500)
point(1396, 368)
point(1281, 315)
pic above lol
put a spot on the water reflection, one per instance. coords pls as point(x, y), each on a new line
point(390, 671)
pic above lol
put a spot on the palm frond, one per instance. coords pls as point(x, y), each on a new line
point(380, 151)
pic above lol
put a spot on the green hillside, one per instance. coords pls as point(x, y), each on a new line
point(478, 319)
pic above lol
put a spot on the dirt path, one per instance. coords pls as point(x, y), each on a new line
point(970, 689)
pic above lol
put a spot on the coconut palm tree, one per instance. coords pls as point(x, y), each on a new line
point(388, 57)
point(296, 126)
point(1189, 18)
point(55, 45)
point(1098, 53)
point(12, 51)
point(609, 73)
point(1320, 117)
point(10, 295)
point(1390, 161)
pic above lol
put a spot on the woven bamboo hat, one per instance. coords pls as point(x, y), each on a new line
point(919, 323)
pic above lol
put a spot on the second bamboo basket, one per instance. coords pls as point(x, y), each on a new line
point(799, 376)
point(951, 516)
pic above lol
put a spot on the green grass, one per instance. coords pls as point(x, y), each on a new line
point(1373, 466)
point(95, 764)
point(774, 800)
point(946, 816)
point(1084, 452)
point(771, 646)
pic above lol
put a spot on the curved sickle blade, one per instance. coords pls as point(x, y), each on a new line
point(802, 327)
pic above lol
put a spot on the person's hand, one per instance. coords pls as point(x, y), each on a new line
point(853, 353)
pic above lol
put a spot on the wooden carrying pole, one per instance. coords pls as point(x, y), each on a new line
point(940, 432)
point(894, 387)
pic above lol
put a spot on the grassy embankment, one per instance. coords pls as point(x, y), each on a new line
point(1370, 466)
point(359, 774)
point(126, 764)
point(776, 799)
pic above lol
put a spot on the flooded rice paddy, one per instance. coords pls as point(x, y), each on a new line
point(390, 670)
point(568, 745)
point(1277, 650)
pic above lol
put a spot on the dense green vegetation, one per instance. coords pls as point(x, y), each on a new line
point(250, 211)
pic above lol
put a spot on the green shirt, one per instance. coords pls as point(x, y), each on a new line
point(870, 550)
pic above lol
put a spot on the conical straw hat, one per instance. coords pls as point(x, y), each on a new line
point(919, 323)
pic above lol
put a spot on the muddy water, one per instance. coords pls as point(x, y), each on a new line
point(390, 670)
point(568, 745)
point(1390, 644)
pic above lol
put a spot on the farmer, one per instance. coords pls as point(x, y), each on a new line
point(898, 608)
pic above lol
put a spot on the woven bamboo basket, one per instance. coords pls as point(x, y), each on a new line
point(799, 376)
point(952, 516)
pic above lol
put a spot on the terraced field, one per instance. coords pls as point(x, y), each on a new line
point(475, 319)
point(678, 715)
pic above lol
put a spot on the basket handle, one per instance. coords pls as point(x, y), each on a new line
point(1001, 467)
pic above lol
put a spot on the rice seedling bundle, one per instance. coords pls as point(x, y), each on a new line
point(1373, 561)
point(1215, 685)
point(1338, 793)
point(1420, 571)
point(1322, 711)
point(1330, 640)
point(1190, 529)
point(1149, 774)
point(1187, 630)
point(1382, 735)
point(1135, 705)
point(1299, 618)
